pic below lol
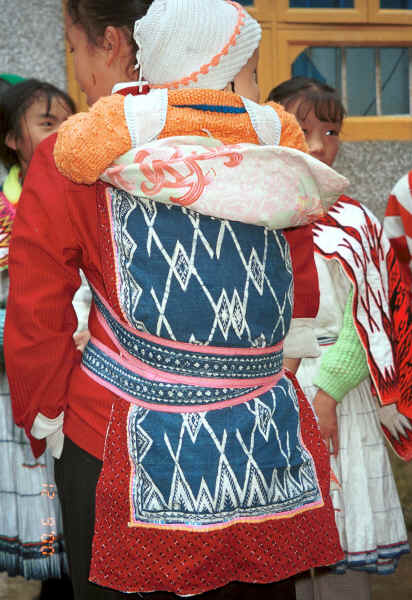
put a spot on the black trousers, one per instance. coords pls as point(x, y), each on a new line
point(76, 474)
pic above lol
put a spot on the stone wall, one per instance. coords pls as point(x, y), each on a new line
point(32, 39)
point(373, 168)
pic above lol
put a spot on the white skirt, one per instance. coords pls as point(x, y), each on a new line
point(31, 532)
point(367, 508)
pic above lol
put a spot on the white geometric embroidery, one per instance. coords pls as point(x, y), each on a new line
point(230, 311)
point(238, 314)
point(264, 418)
point(143, 442)
point(181, 266)
point(231, 492)
point(193, 422)
point(256, 271)
point(223, 314)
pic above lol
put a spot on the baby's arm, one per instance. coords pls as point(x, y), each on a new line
point(291, 135)
point(87, 143)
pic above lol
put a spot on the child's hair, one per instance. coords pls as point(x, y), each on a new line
point(320, 97)
point(95, 15)
point(4, 85)
point(14, 104)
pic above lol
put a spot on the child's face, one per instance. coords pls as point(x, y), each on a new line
point(246, 80)
point(36, 124)
point(322, 137)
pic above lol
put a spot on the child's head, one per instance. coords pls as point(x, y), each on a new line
point(193, 43)
point(29, 112)
point(178, 43)
point(319, 110)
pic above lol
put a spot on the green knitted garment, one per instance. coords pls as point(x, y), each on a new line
point(344, 365)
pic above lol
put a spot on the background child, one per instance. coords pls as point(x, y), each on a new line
point(31, 537)
point(367, 508)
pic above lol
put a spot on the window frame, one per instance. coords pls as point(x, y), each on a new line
point(294, 40)
point(391, 16)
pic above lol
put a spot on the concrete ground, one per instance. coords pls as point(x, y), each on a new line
point(397, 586)
point(17, 588)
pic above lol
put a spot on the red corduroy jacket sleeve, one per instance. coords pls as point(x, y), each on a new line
point(301, 340)
point(44, 275)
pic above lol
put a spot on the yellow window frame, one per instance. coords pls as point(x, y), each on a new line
point(282, 42)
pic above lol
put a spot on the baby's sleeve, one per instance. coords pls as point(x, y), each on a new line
point(291, 135)
point(87, 143)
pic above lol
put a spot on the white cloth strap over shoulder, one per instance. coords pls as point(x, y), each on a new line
point(265, 122)
point(146, 115)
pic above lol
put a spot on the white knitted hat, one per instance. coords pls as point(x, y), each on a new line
point(194, 43)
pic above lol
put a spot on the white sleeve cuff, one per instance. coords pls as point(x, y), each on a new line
point(300, 341)
point(43, 426)
point(52, 430)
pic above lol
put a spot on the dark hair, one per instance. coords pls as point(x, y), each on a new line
point(4, 85)
point(95, 15)
point(15, 102)
point(320, 97)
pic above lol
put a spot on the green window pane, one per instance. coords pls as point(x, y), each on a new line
point(246, 2)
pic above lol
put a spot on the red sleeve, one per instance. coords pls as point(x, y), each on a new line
point(305, 275)
point(397, 224)
point(44, 275)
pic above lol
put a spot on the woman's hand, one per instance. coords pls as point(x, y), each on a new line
point(81, 339)
point(325, 408)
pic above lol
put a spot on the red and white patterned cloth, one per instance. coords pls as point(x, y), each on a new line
point(398, 223)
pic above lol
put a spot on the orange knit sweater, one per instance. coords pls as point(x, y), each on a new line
point(88, 143)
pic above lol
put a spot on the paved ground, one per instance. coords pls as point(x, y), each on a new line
point(17, 588)
point(397, 586)
point(388, 587)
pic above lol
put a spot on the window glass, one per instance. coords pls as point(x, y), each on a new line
point(321, 3)
point(396, 4)
point(363, 65)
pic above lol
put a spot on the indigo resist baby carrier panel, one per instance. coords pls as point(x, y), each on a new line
point(199, 279)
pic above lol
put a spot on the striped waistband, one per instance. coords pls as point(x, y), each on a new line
point(187, 359)
point(170, 376)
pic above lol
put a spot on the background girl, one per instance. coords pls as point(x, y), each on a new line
point(31, 537)
point(367, 509)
